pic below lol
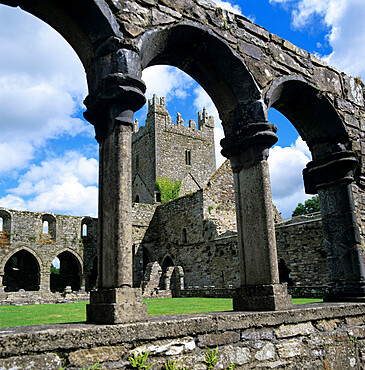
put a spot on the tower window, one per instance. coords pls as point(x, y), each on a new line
point(45, 227)
point(137, 161)
point(188, 157)
point(84, 230)
point(184, 236)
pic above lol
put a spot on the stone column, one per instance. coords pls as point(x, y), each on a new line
point(260, 288)
point(45, 282)
point(83, 278)
point(2, 288)
point(110, 110)
point(332, 177)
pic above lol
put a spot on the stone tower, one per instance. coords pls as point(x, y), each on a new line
point(163, 148)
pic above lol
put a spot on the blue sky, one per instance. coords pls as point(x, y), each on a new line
point(48, 154)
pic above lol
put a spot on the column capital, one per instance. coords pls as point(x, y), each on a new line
point(114, 103)
point(330, 170)
point(249, 144)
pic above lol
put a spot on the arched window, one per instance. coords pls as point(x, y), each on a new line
point(45, 227)
point(136, 199)
point(49, 226)
point(5, 222)
point(84, 230)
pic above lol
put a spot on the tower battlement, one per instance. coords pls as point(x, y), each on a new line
point(159, 117)
point(165, 148)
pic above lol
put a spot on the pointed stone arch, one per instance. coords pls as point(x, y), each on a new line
point(22, 271)
point(70, 273)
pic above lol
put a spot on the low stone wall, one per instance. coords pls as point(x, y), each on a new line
point(308, 291)
point(207, 292)
point(317, 336)
point(23, 298)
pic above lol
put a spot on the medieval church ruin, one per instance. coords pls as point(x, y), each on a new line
point(187, 247)
point(245, 69)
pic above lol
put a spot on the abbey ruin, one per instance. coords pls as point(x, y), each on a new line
point(246, 70)
point(187, 247)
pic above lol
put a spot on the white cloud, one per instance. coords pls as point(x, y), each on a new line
point(166, 81)
point(228, 6)
point(66, 184)
point(345, 21)
point(286, 165)
point(42, 85)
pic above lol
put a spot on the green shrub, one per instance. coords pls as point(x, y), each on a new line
point(168, 189)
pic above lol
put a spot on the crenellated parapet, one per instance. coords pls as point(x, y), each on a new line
point(158, 118)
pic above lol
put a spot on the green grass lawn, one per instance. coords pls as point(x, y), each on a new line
point(76, 312)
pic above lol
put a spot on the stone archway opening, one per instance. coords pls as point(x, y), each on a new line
point(68, 275)
point(22, 272)
point(330, 175)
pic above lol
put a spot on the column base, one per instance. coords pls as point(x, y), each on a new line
point(116, 306)
point(273, 297)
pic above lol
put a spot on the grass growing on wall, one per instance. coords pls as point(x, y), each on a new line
point(76, 312)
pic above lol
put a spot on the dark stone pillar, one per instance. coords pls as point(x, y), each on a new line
point(110, 110)
point(260, 288)
point(332, 176)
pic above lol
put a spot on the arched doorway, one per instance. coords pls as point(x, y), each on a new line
point(21, 272)
point(69, 273)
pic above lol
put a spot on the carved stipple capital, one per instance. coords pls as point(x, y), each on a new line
point(332, 169)
point(250, 144)
point(119, 96)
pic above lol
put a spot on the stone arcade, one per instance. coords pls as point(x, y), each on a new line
point(245, 70)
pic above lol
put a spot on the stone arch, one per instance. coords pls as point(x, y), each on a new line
point(210, 61)
point(83, 23)
point(70, 271)
point(22, 270)
point(17, 249)
point(309, 110)
point(331, 174)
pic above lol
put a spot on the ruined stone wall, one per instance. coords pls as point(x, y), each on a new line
point(269, 59)
point(300, 245)
point(308, 337)
point(65, 234)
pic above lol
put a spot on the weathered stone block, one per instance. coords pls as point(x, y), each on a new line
point(212, 340)
point(97, 354)
point(258, 334)
point(49, 361)
point(168, 347)
point(266, 353)
point(114, 306)
point(286, 331)
point(325, 325)
point(290, 348)
point(262, 298)
point(233, 354)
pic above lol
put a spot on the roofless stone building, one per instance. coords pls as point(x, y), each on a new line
point(245, 70)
